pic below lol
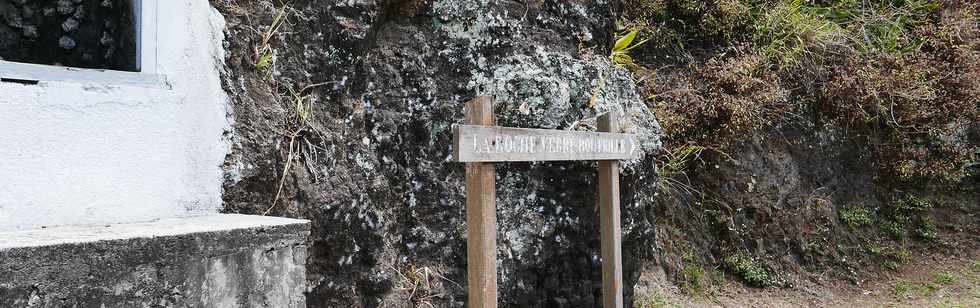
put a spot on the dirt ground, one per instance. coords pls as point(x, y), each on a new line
point(928, 281)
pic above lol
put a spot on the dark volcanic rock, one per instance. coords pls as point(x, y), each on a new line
point(371, 164)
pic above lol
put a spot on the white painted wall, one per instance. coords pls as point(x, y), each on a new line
point(76, 153)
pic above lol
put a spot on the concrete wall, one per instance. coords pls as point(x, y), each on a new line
point(203, 261)
point(94, 152)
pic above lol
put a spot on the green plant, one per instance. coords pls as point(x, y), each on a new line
point(890, 265)
point(654, 299)
point(891, 257)
point(909, 289)
point(944, 278)
point(673, 165)
point(855, 216)
point(880, 26)
point(301, 107)
point(678, 160)
point(264, 54)
point(794, 29)
point(788, 32)
point(750, 272)
point(904, 288)
point(926, 230)
point(699, 22)
point(620, 56)
point(694, 279)
point(912, 204)
point(894, 227)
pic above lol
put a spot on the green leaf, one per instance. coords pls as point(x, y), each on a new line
point(264, 61)
point(636, 45)
point(626, 40)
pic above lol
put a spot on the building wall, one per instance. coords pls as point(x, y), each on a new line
point(93, 153)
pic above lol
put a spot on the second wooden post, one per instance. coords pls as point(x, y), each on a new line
point(610, 236)
point(481, 216)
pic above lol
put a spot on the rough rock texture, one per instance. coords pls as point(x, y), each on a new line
point(344, 117)
point(89, 34)
point(368, 163)
point(157, 264)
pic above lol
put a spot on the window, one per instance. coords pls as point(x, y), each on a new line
point(78, 40)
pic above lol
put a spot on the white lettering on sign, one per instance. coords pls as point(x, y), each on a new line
point(505, 144)
point(488, 143)
point(536, 144)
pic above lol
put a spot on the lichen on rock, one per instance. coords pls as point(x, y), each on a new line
point(373, 170)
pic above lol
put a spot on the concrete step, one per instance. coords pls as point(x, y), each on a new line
point(220, 260)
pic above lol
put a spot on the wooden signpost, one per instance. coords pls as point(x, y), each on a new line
point(480, 144)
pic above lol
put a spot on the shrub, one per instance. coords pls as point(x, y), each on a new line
point(698, 21)
point(855, 216)
point(750, 272)
point(926, 230)
point(891, 257)
point(716, 101)
point(911, 204)
point(895, 228)
point(898, 76)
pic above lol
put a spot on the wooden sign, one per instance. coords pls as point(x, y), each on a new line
point(479, 143)
point(474, 143)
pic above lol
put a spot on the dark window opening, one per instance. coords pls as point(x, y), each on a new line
point(98, 34)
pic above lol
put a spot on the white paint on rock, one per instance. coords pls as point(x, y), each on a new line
point(87, 153)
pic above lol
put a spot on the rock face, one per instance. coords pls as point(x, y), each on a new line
point(346, 120)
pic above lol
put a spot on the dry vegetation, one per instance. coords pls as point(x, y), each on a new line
point(904, 75)
point(898, 78)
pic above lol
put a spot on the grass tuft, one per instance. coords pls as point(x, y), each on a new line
point(789, 32)
point(944, 278)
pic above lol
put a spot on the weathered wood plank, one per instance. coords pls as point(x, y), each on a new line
point(481, 217)
point(609, 223)
point(475, 143)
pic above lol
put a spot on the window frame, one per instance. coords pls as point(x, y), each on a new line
point(145, 12)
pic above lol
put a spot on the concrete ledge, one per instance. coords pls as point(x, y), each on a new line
point(224, 260)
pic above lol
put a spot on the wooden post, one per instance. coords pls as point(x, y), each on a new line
point(480, 144)
point(609, 221)
point(481, 216)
